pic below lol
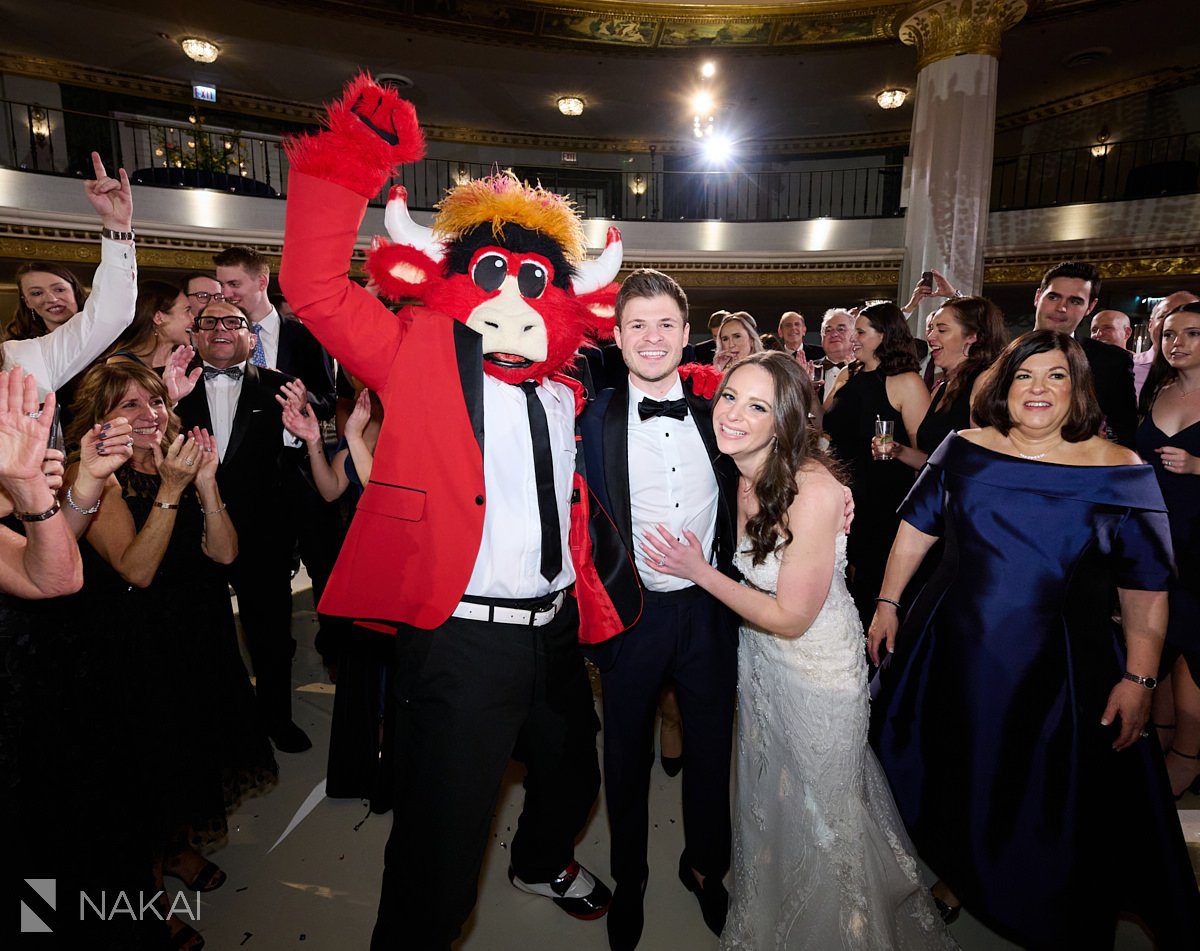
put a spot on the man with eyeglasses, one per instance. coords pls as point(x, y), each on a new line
point(235, 401)
point(201, 290)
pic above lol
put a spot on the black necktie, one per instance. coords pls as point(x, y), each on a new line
point(648, 408)
point(543, 472)
point(213, 372)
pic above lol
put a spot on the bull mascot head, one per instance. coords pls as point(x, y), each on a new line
point(507, 259)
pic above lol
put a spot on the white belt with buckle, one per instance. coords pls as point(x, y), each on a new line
point(470, 611)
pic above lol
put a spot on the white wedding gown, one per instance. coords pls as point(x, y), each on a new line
point(820, 857)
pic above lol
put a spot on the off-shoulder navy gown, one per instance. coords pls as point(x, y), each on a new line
point(988, 720)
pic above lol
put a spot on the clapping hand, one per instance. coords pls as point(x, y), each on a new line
point(360, 415)
point(52, 469)
point(298, 419)
point(671, 556)
point(207, 461)
point(24, 431)
point(105, 448)
point(177, 467)
point(175, 374)
point(111, 197)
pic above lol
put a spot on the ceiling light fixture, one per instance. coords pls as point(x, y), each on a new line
point(708, 70)
point(570, 105)
point(891, 98)
point(200, 51)
point(718, 150)
point(702, 103)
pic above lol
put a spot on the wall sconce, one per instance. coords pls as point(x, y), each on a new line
point(638, 186)
point(462, 176)
point(39, 125)
point(891, 98)
point(1100, 149)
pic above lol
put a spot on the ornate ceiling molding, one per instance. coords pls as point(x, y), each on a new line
point(940, 29)
point(648, 27)
point(1147, 263)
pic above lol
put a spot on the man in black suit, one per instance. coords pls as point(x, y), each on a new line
point(281, 342)
point(1069, 292)
point(651, 459)
point(707, 349)
point(235, 401)
point(791, 334)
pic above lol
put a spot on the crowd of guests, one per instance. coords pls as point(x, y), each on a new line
point(153, 416)
point(200, 440)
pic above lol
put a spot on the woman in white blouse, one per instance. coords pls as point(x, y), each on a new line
point(58, 356)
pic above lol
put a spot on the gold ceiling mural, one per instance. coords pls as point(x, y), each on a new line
point(656, 26)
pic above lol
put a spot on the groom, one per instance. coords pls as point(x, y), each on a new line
point(651, 459)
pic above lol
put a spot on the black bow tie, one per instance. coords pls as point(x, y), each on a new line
point(234, 373)
point(648, 408)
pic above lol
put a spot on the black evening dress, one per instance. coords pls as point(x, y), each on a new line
point(941, 419)
point(1182, 495)
point(878, 486)
point(360, 755)
point(988, 720)
point(204, 746)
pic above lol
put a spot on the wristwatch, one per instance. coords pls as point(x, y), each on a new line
point(1148, 682)
point(116, 235)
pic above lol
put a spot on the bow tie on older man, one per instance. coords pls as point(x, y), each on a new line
point(648, 408)
point(211, 373)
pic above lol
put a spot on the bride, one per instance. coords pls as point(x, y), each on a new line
point(820, 857)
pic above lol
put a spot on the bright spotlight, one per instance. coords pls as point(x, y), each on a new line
point(718, 150)
point(702, 104)
point(708, 70)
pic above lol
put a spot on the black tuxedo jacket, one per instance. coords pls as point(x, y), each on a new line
point(705, 351)
point(1112, 375)
point(250, 475)
point(301, 356)
point(604, 431)
point(811, 352)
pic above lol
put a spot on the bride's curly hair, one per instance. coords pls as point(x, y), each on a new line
point(795, 444)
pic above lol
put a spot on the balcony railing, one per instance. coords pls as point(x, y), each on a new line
point(1111, 171)
point(167, 153)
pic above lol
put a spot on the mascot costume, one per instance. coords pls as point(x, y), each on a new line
point(473, 525)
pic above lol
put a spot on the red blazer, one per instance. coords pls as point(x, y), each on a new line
point(412, 546)
point(413, 542)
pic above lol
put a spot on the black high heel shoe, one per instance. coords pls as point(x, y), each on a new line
point(1194, 787)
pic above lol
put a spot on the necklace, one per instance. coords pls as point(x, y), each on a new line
point(1040, 455)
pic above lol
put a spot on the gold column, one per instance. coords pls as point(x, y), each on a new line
point(942, 28)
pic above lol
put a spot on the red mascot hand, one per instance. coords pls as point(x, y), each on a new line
point(705, 379)
point(371, 131)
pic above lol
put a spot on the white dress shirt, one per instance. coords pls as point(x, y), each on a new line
point(509, 563)
point(223, 393)
point(831, 373)
point(68, 350)
point(1141, 369)
point(268, 332)
point(671, 482)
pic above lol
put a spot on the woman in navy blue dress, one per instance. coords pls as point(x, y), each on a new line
point(1011, 721)
point(1169, 439)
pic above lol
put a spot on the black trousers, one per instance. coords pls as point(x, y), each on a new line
point(262, 579)
point(690, 638)
point(470, 695)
